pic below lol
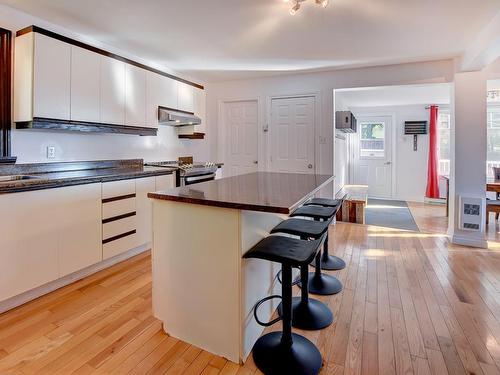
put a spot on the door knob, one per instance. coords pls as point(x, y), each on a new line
point(256, 162)
point(387, 163)
point(310, 166)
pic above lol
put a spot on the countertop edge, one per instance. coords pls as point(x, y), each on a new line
point(162, 196)
point(34, 185)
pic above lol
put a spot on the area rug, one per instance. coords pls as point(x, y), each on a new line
point(390, 214)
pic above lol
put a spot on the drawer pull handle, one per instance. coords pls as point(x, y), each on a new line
point(114, 238)
point(118, 198)
point(119, 217)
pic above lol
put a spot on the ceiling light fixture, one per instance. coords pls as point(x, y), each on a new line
point(296, 4)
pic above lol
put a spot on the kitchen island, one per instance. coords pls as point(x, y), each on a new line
point(203, 291)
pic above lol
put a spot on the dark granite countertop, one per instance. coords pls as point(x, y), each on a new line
point(261, 191)
point(54, 175)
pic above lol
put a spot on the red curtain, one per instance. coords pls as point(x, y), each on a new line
point(432, 168)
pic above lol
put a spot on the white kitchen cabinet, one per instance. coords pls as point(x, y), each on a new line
point(112, 94)
point(144, 206)
point(185, 97)
point(28, 241)
point(79, 216)
point(51, 78)
point(42, 78)
point(160, 91)
point(164, 182)
point(135, 96)
point(85, 85)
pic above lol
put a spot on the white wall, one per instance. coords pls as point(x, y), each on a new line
point(30, 145)
point(323, 83)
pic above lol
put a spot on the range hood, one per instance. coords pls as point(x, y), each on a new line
point(176, 117)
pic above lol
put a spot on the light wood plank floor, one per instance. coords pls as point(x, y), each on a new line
point(412, 304)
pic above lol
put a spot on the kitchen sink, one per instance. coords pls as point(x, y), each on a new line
point(14, 178)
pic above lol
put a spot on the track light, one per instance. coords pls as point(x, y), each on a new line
point(296, 4)
point(294, 8)
point(323, 3)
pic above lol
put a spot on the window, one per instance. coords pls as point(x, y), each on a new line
point(372, 140)
point(493, 139)
point(444, 143)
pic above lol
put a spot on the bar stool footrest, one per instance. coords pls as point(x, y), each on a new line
point(258, 304)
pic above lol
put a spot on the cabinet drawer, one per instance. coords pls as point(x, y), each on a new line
point(117, 208)
point(119, 246)
point(117, 227)
point(118, 189)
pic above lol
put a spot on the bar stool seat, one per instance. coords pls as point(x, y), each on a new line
point(278, 353)
point(302, 228)
point(315, 212)
point(325, 202)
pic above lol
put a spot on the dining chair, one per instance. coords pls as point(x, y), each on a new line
point(496, 174)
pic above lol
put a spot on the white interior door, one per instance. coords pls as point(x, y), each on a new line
point(241, 122)
point(372, 162)
point(292, 134)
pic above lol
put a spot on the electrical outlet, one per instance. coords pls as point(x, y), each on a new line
point(51, 152)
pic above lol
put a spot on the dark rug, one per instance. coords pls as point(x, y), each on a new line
point(391, 214)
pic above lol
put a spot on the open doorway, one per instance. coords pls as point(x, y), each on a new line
point(381, 155)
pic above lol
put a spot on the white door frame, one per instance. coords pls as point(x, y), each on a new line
point(222, 131)
point(393, 140)
point(317, 124)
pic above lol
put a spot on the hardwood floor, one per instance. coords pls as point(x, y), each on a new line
point(432, 218)
point(412, 304)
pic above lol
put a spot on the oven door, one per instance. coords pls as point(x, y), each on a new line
point(191, 180)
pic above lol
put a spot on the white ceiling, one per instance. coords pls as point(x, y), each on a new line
point(228, 39)
point(393, 95)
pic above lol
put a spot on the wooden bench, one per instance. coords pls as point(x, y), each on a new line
point(353, 209)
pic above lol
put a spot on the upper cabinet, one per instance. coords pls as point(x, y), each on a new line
point(160, 91)
point(185, 97)
point(42, 78)
point(85, 85)
point(52, 78)
point(135, 96)
point(60, 83)
point(112, 91)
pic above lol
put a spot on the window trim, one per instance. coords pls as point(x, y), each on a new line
point(5, 94)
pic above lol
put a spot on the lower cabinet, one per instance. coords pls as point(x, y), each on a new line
point(79, 231)
point(47, 234)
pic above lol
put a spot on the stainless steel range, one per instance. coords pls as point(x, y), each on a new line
point(189, 173)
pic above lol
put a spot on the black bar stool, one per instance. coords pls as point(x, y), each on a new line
point(320, 283)
point(279, 353)
point(329, 262)
point(308, 313)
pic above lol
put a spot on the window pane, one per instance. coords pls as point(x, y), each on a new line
point(444, 143)
point(493, 141)
point(372, 140)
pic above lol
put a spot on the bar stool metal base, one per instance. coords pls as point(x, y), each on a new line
point(323, 285)
point(331, 263)
point(272, 357)
point(311, 315)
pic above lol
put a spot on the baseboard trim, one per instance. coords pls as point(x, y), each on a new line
point(471, 242)
point(32, 294)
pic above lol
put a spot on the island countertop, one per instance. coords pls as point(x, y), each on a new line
point(261, 191)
